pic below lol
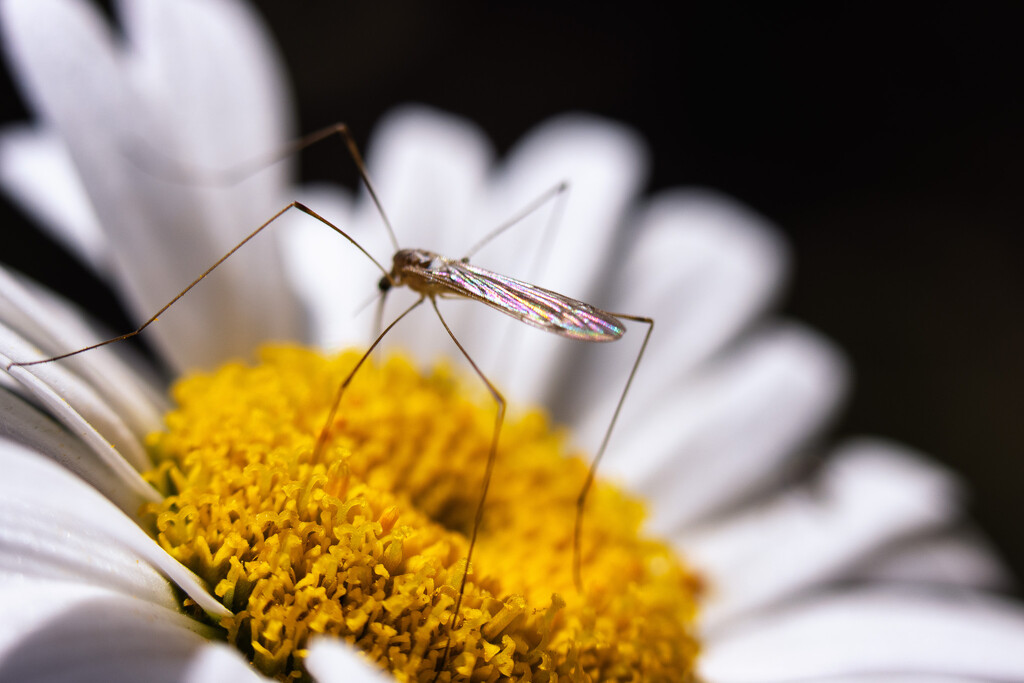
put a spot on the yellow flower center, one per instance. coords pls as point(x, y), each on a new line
point(367, 541)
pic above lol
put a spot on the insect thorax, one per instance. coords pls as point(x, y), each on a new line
point(410, 265)
point(416, 258)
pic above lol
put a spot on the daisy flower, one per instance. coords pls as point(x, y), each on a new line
point(202, 537)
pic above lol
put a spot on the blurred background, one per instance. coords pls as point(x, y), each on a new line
point(886, 143)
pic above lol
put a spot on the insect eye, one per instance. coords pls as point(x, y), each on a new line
point(384, 284)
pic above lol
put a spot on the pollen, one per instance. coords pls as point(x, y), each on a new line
point(365, 539)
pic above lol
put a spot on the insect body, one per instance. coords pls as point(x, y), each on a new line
point(431, 274)
point(434, 276)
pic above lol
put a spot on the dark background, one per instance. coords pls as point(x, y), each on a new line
point(887, 144)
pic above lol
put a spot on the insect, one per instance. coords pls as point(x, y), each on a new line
point(433, 276)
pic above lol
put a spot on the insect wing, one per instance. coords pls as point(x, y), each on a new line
point(528, 303)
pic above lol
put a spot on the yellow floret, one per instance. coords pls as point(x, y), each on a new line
point(367, 540)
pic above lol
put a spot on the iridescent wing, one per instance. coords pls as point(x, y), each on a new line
point(527, 303)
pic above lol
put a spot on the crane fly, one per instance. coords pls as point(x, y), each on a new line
point(431, 274)
point(434, 276)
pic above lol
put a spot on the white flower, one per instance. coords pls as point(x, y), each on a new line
point(862, 571)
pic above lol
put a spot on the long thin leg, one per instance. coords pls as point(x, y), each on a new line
point(557, 192)
point(378, 314)
point(294, 205)
point(577, 537)
point(353, 150)
point(492, 456)
point(235, 174)
point(322, 438)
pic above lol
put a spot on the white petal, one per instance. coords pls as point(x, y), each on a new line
point(21, 422)
point(107, 456)
point(703, 267)
point(212, 66)
point(57, 525)
point(36, 171)
point(56, 326)
point(429, 169)
point(873, 631)
point(331, 661)
point(604, 164)
point(870, 495)
point(164, 233)
point(55, 632)
point(959, 557)
point(216, 663)
point(887, 677)
point(731, 430)
point(213, 60)
point(72, 401)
